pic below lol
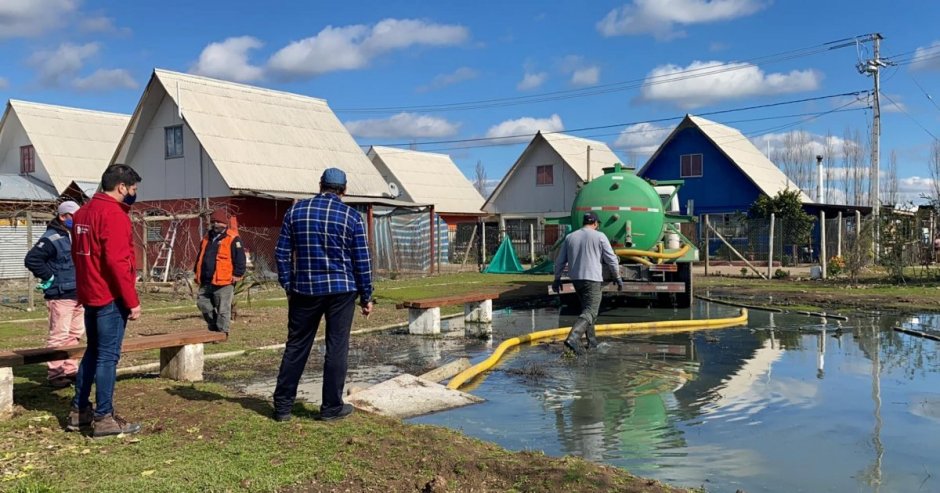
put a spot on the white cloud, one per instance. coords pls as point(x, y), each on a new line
point(891, 103)
point(913, 188)
point(660, 17)
point(54, 67)
point(525, 128)
point(672, 83)
point(403, 125)
point(105, 79)
point(30, 18)
point(4, 83)
point(101, 24)
point(582, 72)
point(642, 138)
point(587, 76)
point(927, 57)
point(773, 143)
point(443, 80)
point(229, 60)
point(353, 47)
point(531, 80)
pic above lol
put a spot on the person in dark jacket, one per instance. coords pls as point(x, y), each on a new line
point(219, 265)
point(106, 274)
point(50, 260)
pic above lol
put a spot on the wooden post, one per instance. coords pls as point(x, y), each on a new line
point(707, 241)
point(532, 244)
point(370, 225)
point(839, 236)
point(822, 242)
point(466, 254)
point(431, 256)
point(770, 252)
point(29, 245)
point(482, 243)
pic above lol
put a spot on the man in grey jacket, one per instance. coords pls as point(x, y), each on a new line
point(586, 252)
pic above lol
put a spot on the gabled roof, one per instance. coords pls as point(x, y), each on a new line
point(261, 139)
point(429, 178)
point(72, 143)
point(740, 151)
point(572, 151)
point(20, 188)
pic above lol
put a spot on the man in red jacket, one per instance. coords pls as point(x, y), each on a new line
point(106, 274)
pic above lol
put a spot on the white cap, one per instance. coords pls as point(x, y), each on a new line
point(68, 207)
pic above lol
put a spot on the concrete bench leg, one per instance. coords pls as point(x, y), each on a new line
point(478, 330)
point(6, 392)
point(424, 321)
point(182, 363)
point(478, 312)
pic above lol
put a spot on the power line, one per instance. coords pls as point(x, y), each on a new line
point(903, 110)
point(615, 86)
point(929, 97)
point(599, 127)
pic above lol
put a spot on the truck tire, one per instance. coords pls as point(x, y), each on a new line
point(684, 275)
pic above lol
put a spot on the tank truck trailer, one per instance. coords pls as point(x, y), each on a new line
point(641, 219)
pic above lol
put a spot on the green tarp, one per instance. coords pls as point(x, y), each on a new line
point(544, 267)
point(505, 261)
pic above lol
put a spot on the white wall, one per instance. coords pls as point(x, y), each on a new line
point(520, 196)
point(175, 178)
point(389, 177)
point(12, 137)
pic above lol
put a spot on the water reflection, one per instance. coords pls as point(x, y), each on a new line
point(789, 403)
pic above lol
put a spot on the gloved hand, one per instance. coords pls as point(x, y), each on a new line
point(556, 286)
point(44, 285)
point(619, 284)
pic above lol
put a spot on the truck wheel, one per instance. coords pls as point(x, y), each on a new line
point(684, 300)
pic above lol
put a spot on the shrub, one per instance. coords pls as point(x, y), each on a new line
point(836, 265)
point(781, 274)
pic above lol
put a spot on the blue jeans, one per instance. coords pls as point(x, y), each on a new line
point(104, 327)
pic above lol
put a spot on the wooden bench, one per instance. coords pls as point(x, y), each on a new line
point(424, 315)
point(181, 358)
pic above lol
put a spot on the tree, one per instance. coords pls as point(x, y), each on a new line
point(787, 208)
point(479, 178)
point(890, 194)
point(933, 164)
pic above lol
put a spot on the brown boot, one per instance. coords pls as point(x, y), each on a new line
point(79, 419)
point(112, 425)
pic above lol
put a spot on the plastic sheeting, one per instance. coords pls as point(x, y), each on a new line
point(505, 261)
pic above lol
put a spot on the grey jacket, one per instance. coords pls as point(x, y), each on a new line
point(586, 252)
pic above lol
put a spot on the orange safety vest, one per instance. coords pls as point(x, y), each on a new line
point(223, 260)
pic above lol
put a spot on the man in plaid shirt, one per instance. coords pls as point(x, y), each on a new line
point(323, 264)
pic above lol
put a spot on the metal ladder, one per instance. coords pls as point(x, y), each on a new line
point(161, 266)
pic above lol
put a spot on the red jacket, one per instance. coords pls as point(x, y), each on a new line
point(103, 253)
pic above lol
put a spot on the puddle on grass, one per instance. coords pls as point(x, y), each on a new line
point(790, 403)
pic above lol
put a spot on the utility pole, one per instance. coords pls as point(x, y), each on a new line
point(588, 164)
point(872, 68)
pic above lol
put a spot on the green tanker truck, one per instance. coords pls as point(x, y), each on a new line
point(642, 220)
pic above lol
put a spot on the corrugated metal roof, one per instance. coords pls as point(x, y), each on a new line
point(87, 187)
point(742, 152)
point(22, 188)
point(429, 178)
point(73, 144)
point(266, 140)
point(574, 152)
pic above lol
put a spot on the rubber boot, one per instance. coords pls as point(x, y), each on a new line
point(574, 337)
point(591, 337)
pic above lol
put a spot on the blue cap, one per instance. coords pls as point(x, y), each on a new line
point(589, 218)
point(333, 176)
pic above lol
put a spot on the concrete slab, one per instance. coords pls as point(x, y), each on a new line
point(310, 389)
point(406, 396)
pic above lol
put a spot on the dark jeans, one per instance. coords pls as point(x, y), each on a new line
point(104, 328)
point(590, 294)
point(303, 320)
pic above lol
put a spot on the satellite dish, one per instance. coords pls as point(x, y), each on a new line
point(393, 190)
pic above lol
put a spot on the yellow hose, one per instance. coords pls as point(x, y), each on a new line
point(661, 327)
point(640, 260)
point(631, 252)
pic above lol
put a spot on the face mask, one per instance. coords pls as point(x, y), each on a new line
point(218, 228)
point(130, 199)
point(68, 223)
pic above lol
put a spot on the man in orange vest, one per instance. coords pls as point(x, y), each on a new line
point(220, 264)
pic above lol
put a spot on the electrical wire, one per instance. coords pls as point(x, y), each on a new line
point(904, 110)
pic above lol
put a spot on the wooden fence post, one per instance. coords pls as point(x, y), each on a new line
point(770, 252)
point(707, 240)
point(822, 242)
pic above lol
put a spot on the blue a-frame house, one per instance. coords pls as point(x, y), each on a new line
point(724, 172)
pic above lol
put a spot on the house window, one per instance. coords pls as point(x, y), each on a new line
point(690, 165)
point(174, 141)
point(27, 160)
point(545, 175)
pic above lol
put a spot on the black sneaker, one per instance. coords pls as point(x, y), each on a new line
point(345, 411)
point(281, 417)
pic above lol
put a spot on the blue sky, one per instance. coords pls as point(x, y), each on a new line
point(390, 69)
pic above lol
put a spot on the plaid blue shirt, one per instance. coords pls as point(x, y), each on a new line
point(323, 249)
